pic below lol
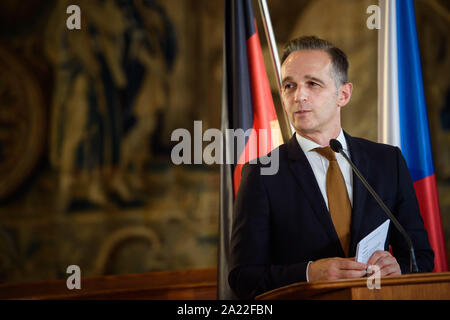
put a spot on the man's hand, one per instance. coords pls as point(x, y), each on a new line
point(336, 268)
point(386, 262)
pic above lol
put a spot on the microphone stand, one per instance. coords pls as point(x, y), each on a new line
point(337, 147)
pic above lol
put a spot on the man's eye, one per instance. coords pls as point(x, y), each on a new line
point(288, 86)
point(313, 84)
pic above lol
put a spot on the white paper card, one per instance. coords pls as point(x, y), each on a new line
point(372, 242)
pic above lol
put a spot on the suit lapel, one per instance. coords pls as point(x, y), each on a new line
point(360, 159)
point(304, 175)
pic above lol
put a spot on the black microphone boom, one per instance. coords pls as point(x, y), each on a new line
point(337, 147)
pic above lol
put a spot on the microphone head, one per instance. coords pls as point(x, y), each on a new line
point(335, 145)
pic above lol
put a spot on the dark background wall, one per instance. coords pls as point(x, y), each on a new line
point(86, 117)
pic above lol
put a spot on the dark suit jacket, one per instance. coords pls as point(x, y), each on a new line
point(281, 221)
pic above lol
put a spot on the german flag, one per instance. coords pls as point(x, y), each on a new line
point(247, 104)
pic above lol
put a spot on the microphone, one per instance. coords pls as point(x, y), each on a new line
point(337, 147)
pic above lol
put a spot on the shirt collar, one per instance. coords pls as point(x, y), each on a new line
point(308, 145)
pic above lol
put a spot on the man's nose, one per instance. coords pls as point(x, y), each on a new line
point(301, 94)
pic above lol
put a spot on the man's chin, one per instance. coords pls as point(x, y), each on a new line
point(304, 130)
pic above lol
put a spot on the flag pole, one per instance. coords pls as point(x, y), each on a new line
point(271, 41)
point(265, 15)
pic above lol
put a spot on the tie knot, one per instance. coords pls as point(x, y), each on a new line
point(327, 153)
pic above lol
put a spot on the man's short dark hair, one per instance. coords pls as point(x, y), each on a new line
point(338, 57)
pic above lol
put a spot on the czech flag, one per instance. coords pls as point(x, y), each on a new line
point(246, 104)
point(403, 120)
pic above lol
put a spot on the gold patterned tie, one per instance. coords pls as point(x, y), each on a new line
point(338, 200)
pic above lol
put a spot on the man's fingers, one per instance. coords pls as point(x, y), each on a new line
point(347, 274)
point(352, 265)
point(387, 264)
point(390, 267)
point(388, 270)
point(351, 269)
point(377, 255)
point(385, 261)
point(374, 258)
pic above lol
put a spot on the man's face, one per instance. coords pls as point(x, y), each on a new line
point(309, 93)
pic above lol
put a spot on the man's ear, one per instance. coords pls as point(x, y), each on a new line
point(344, 94)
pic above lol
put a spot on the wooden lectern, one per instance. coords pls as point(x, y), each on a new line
point(419, 286)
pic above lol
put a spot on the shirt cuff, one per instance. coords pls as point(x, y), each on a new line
point(307, 268)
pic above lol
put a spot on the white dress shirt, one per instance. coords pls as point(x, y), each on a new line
point(319, 165)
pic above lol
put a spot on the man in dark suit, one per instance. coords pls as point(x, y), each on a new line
point(304, 222)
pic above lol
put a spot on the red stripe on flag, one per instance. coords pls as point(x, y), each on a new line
point(237, 178)
point(263, 107)
point(427, 196)
point(247, 155)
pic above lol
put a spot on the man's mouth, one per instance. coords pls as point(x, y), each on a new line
point(302, 111)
